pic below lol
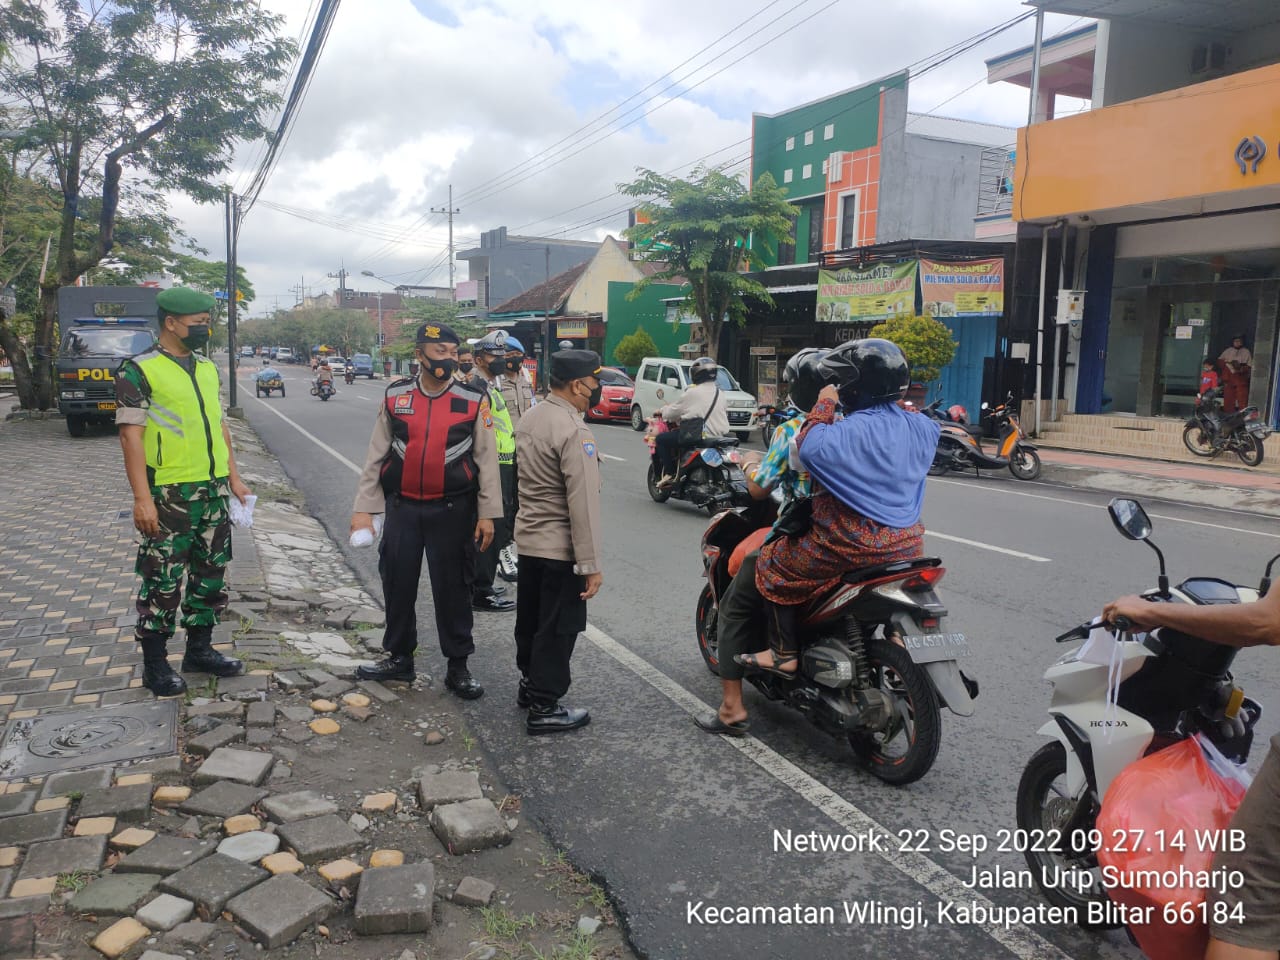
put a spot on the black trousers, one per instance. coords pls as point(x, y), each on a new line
point(503, 529)
point(668, 447)
point(444, 531)
point(550, 613)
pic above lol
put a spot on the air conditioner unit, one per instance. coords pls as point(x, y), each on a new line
point(1209, 59)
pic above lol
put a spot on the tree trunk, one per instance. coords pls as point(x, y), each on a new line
point(21, 363)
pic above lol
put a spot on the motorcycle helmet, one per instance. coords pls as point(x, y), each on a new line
point(958, 414)
point(803, 377)
point(703, 370)
point(514, 344)
point(866, 372)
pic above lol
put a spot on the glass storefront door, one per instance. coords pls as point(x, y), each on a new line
point(1182, 351)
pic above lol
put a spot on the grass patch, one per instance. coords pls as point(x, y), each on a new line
point(75, 881)
point(501, 924)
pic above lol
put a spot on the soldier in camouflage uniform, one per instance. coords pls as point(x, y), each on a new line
point(177, 455)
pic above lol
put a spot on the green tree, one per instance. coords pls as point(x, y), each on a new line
point(699, 229)
point(926, 341)
point(120, 101)
point(431, 310)
point(211, 275)
point(634, 347)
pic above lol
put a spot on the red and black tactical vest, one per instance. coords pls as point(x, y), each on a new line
point(431, 442)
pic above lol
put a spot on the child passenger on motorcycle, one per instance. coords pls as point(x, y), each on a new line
point(869, 471)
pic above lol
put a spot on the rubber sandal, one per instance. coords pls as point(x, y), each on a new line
point(713, 724)
point(751, 662)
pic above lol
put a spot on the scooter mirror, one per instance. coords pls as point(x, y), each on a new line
point(985, 405)
point(1130, 519)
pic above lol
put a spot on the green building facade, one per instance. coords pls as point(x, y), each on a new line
point(648, 311)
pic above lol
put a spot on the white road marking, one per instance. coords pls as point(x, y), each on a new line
point(1100, 506)
point(609, 456)
point(987, 546)
point(1019, 941)
point(311, 436)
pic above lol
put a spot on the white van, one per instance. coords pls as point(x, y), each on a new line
point(284, 355)
point(663, 380)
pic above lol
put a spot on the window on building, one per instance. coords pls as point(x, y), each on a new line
point(786, 175)
point(817, 212)
point(791, 143)
point(829, 131)
point(848, 221)
point(808, 138)
point(806, 171)
point(787, 251)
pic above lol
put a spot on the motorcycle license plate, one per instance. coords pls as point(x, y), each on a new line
point(107, 405)
point(927, 647)
point(1258, 430)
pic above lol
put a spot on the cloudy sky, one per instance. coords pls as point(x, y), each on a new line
point(503, 99)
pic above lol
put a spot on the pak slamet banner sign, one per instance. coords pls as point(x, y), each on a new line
point(971, 289)
point(867, 294)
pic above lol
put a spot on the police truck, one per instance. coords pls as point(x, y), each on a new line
point(100, 326)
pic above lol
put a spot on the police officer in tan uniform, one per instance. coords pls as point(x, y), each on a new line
point(515, 385)
point(558, 537)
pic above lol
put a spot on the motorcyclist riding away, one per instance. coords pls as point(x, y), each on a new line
point(324, 373)
point(702, 400)
point(869, 473)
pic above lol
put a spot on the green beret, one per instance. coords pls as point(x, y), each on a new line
point(182, 301)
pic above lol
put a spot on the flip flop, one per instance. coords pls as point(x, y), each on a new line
point(713, 724)
point(751, 662)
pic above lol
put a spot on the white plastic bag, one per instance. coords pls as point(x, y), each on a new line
point(241, 513)
point(364, 537)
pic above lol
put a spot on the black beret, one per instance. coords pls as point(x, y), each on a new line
point(574, 364)
point(437, 333)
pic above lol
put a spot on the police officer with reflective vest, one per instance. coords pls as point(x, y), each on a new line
point(177, 456)
point(432, 466)
point(558, 536)
point(490, 364)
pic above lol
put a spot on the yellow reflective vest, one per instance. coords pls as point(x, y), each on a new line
point(183, 436)
point(503, 431)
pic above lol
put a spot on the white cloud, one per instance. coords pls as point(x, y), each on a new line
point(404, 104)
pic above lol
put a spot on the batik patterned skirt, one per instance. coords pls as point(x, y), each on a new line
point(793, 570)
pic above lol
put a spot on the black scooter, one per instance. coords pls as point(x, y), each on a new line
point(1210, 431)
point(709, 474)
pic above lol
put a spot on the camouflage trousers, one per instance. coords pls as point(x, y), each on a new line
point(195, 544)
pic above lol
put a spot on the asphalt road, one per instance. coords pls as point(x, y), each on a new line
point(668, 817)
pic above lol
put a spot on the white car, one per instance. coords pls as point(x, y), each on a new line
point(663, 380)
point(338, 365)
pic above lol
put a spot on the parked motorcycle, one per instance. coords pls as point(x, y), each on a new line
point(876, 663)
point(1168, 686)
point(709, 472)
point(771, 418)
point(1210, 431)
point(960, 444)
point(324, 389)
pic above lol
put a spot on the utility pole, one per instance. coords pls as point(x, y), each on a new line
point(450, 211)
point(341, 277)
point(545, 382)
point(233, 226)
point(299, 292)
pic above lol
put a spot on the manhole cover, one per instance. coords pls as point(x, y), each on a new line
point(88, 738)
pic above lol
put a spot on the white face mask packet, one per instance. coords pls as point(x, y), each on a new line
point(242, 513)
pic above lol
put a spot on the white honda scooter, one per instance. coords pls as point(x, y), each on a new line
point(1115, 699)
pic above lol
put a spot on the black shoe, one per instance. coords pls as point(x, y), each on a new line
point(162, 680)
point(463, 684)
point(553, 718)
point(398, 666)
point(524, 699)
point(200, 657)
point(492, 603)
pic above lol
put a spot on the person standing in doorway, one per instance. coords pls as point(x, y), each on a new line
point(432, 466)
point(1237, 366)
point(558, 536)
point(178, 458)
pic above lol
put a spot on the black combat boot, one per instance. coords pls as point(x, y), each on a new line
point(202, 658)
point(553, 718)
point(157, 675)
point(396, 666)
point(460, 682)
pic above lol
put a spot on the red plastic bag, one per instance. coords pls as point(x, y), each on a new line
point(1166, 813)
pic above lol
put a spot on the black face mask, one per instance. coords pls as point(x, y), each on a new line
point(196, 337)
point(441, 369)
point(466, 366)
point(596, 394)
point(497, 365)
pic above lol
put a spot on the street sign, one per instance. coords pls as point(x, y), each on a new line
point(220, 295)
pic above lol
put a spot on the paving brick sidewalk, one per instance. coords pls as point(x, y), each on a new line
point(67, 548)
